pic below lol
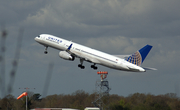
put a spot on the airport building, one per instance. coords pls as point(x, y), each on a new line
point(87, 108)
point(54, 109)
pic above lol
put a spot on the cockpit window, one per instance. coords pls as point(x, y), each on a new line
point(39, 36)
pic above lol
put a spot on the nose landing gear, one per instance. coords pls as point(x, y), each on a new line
point(45, 52)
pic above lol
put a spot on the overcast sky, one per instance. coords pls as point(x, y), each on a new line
point(112, 26)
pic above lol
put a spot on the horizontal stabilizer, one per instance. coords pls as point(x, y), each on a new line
point(148, 68)
point(122, 56)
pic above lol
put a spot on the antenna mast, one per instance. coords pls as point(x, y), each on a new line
point(27, 95)
point(102, 90)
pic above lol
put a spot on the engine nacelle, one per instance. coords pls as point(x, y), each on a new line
point(66, 56)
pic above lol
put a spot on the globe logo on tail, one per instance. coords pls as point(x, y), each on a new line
point(135, 58)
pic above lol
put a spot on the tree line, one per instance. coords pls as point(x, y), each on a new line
point(81, 99)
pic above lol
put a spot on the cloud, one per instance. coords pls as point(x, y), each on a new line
point(117, 44)
point(104, 18)
point(115, 27)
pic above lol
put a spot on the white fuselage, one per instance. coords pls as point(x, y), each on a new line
point(89, 54)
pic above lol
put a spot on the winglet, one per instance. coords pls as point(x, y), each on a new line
point(138, 57)
point(69, 47)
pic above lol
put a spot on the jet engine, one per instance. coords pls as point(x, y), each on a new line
point(66, 56)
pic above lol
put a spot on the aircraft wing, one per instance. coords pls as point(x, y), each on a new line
point(92, 60)
point(71, 53)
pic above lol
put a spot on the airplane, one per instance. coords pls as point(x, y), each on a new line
point(70, 50)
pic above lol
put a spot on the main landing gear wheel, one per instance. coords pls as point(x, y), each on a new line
point(45, 52)
point(94, 67)
point(81, 66)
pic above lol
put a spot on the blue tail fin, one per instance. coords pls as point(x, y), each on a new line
point(138, 57)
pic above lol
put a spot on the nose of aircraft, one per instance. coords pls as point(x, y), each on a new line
point(36, 38)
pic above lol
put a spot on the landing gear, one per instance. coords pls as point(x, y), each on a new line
point(94, 67)
point(45, 52)
point(81, 65)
